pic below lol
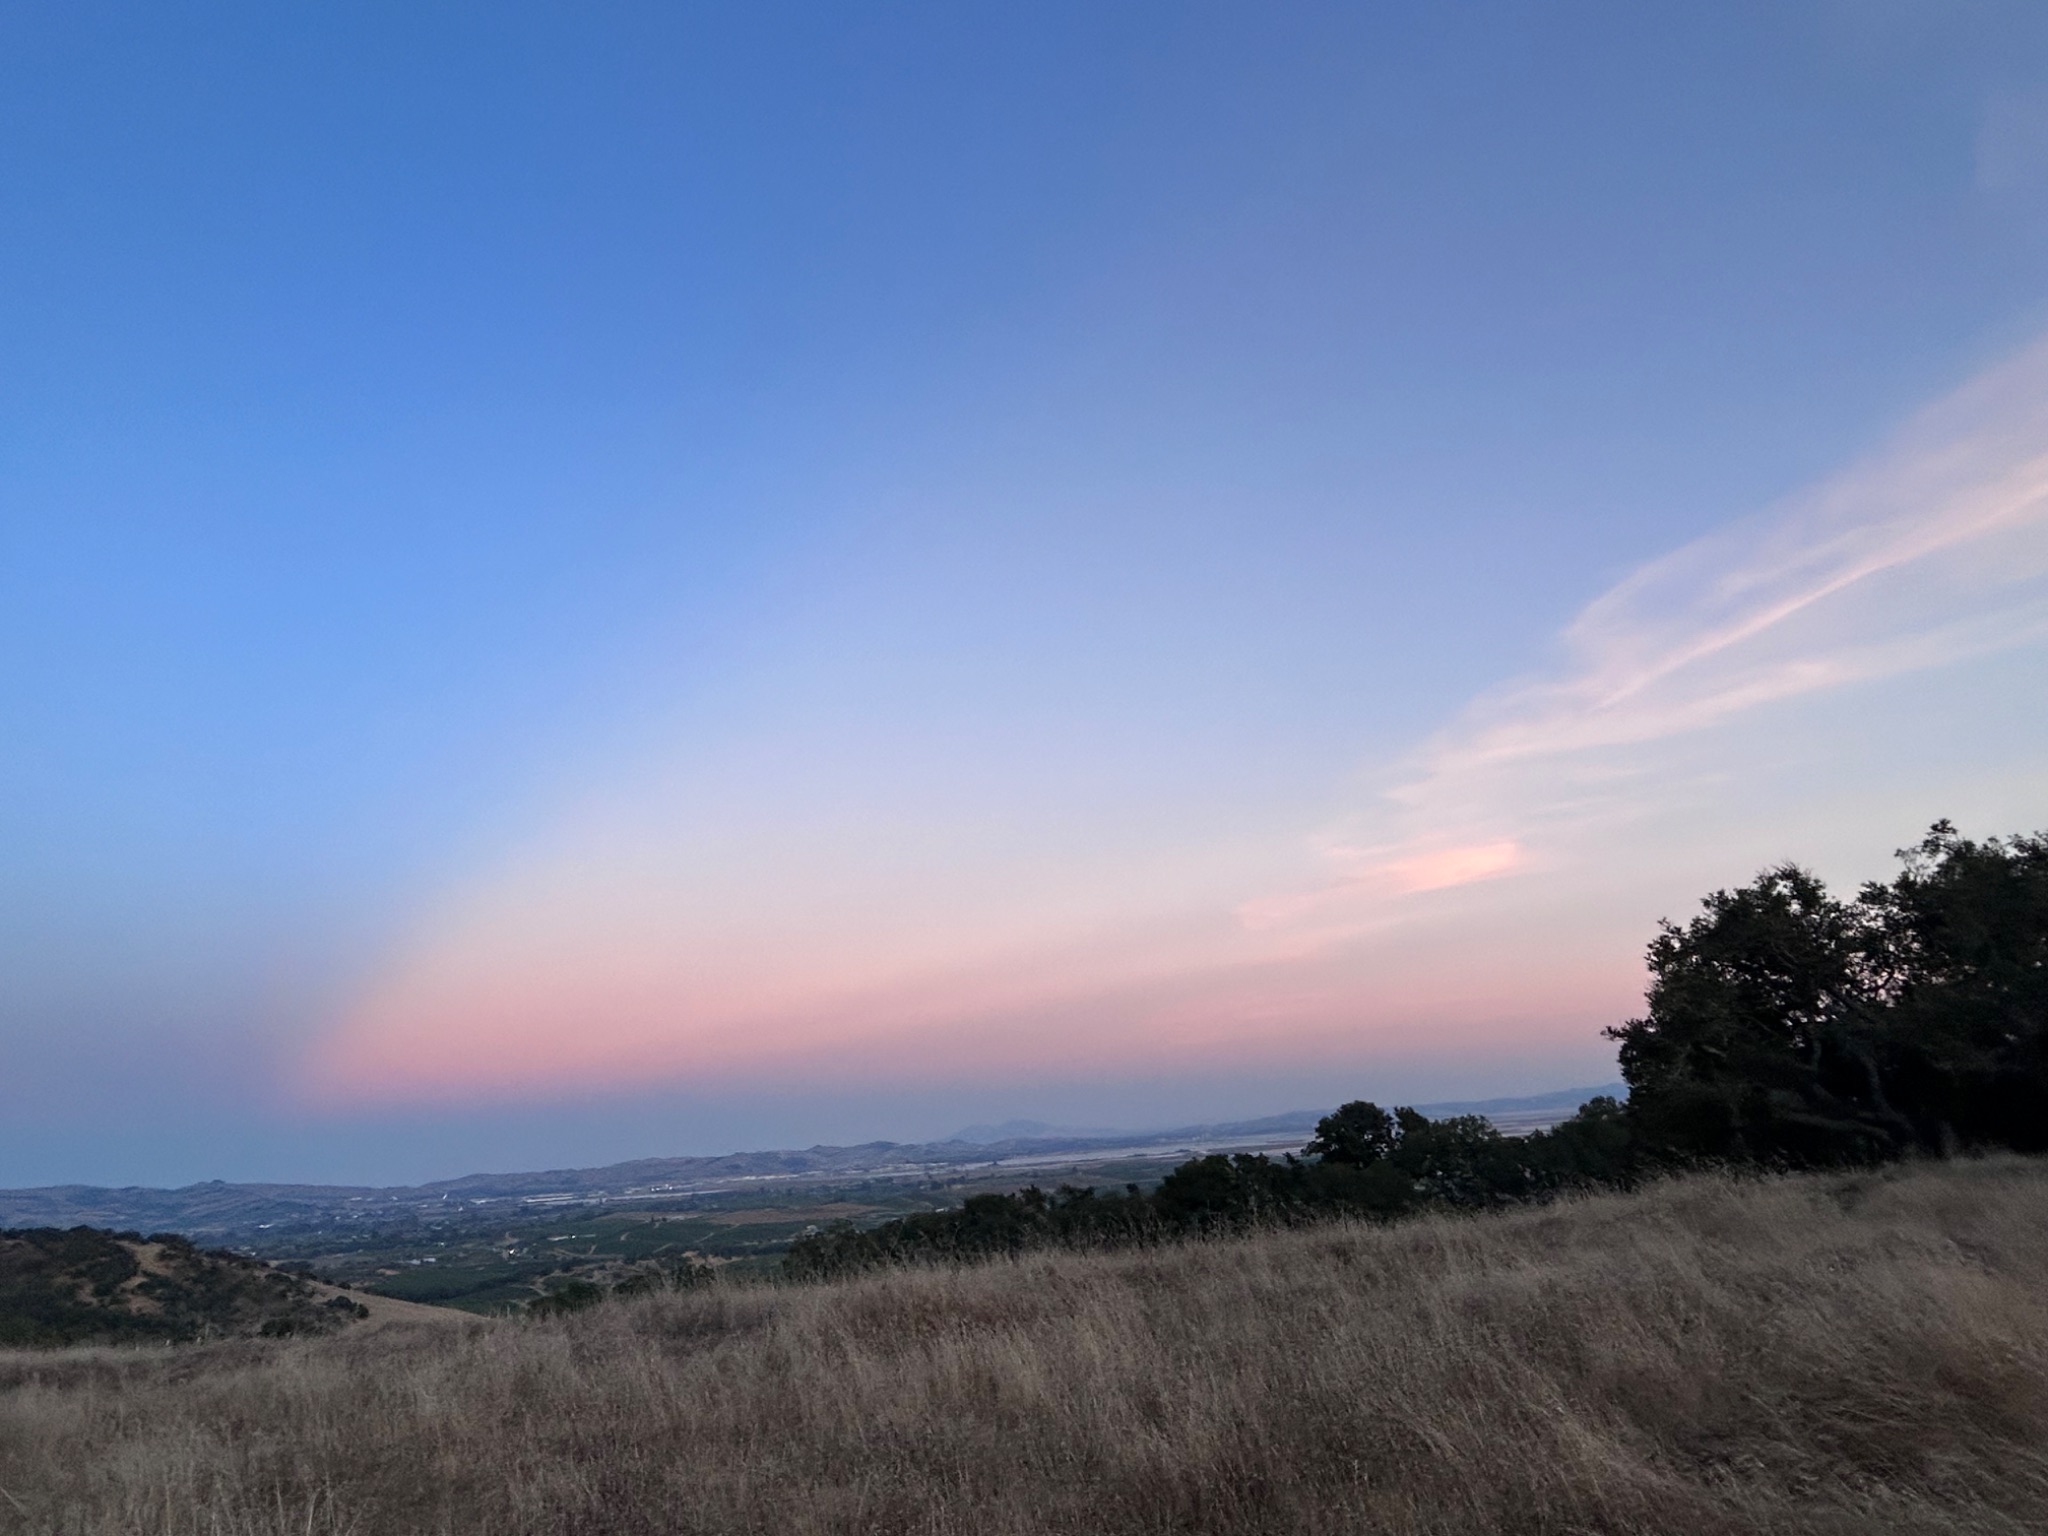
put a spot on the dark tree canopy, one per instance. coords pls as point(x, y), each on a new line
point(1962, 941)
point(1358, 1133)
point(1789, 1026)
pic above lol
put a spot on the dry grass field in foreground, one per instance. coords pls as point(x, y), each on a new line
point(1841, 1354)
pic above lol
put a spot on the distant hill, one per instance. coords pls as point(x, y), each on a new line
point(1546, 1106)
point(252, 1213)
point(85, 1286)
point(1564, 1100)
point(1011, 1130)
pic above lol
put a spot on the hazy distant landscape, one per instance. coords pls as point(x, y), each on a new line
point(487, 1242)
point(221, 1210)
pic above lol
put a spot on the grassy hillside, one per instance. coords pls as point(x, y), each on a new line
point(1829, 1353)
point(81, 1285)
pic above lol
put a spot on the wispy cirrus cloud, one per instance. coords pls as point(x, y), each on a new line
point(1932, 551)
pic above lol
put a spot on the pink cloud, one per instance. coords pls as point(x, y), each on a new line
point(1371, 881)
point(1445, 867)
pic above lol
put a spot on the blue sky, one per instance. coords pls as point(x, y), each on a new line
point(586, 582)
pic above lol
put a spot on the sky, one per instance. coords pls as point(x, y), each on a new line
point(583, 582)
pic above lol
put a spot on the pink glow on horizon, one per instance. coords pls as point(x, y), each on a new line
point(483, 1016)
point(581, 1034)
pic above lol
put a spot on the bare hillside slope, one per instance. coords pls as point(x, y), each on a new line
point(1840, 1353)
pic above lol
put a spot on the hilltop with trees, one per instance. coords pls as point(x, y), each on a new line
point(1784, 1028)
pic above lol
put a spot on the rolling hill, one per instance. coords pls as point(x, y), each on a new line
point(85, 1286)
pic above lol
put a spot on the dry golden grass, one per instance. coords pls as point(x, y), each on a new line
point(1823, 1354)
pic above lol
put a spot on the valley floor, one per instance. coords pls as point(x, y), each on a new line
point(1842, 1354)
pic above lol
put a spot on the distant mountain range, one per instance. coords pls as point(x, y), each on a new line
point(220, 1211)
point(1561, 1103)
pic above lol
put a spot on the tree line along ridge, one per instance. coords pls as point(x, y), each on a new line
point(1784, 1027)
